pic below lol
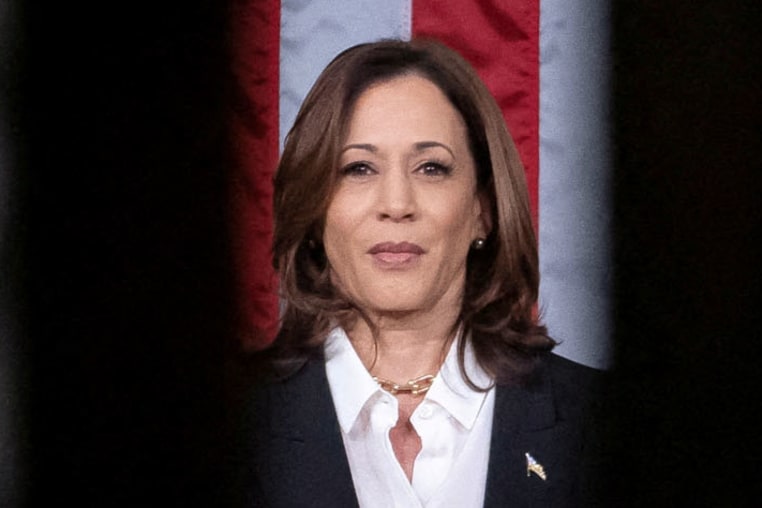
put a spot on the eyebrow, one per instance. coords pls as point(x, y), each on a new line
point(361, 146)
point(418, 147)
point(423, 145)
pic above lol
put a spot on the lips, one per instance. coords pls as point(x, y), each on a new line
point(396, 248)
point(396, 254)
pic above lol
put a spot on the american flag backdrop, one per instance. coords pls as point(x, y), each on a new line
point(547, 64)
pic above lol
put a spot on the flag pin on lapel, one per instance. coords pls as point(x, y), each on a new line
point(535, 467)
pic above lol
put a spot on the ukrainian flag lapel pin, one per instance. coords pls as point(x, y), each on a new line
point(535, 467)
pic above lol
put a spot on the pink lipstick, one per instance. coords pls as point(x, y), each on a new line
point(395, 255)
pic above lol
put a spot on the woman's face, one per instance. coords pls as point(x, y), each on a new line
point(405, 210)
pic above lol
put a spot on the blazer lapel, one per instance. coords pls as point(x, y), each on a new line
point(304, 453)
point(524, 423)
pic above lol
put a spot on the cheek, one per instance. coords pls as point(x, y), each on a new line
point(464, 220)
point(341, 223)
point(331, 234)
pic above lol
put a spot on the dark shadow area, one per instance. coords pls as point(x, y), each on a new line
point(12, 366)
point(121, 243)
point(687, 217)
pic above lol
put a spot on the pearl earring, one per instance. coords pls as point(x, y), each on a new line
point(478, 244)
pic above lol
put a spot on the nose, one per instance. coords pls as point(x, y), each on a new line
point(396, 197)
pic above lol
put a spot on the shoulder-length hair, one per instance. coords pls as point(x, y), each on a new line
point(498, 308)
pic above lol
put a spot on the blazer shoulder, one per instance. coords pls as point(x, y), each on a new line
point(564, 370)
point(575, 386)
point(270, 398)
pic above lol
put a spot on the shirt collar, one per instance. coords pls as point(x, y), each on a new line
point(350, 382)
point(450, 389)
point(352, 385)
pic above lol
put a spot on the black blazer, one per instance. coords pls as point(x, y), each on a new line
point(292, 454)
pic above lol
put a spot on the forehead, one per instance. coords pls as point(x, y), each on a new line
point(407, 105)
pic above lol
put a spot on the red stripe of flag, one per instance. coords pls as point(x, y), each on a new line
point(254, 132)
point(501, 40)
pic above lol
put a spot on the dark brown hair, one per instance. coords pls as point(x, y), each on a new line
point(502, 278)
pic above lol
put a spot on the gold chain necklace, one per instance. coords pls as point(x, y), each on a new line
point(417, 386)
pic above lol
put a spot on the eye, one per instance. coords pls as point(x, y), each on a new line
point(434, 168)
point(357, 169)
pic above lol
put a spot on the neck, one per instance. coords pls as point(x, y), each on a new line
point(402, 349)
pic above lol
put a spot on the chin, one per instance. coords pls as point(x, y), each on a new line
point(395, 302)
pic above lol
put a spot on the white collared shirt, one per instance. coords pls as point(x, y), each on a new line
point(453, 421)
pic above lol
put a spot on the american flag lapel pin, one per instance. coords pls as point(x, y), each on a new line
point(535, 467)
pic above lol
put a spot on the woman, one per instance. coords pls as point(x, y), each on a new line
point(410, 369)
